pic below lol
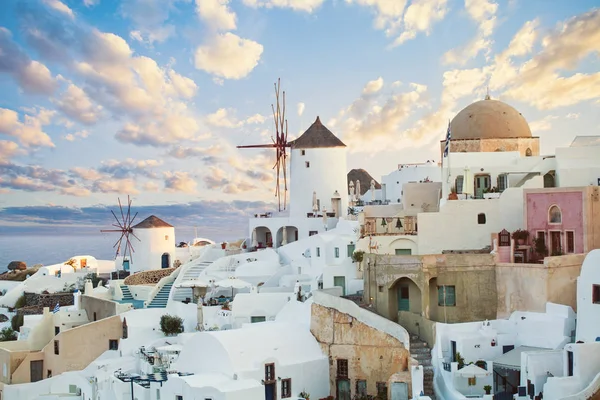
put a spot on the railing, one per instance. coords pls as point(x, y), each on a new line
point(265, 215)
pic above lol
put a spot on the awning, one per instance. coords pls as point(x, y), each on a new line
point(512, 359)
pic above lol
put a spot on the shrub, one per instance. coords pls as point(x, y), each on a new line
point(171, 325)
point(16, 322)
point(358, 256)
point(7, 334)
point(20, 302)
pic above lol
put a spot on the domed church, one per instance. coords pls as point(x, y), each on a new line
point(491, 125)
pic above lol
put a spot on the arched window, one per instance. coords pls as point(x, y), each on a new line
point(554, 215)
point(528, 153)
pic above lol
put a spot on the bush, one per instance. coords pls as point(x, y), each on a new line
point(7, 334)
point(16, 322)
point(20, 302)
point(358, 256)
point(171, 325)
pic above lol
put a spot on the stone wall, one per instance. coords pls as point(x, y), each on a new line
point(148, 277)
point(37, 301)
point(372, 355)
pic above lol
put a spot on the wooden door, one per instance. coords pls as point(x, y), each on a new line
point(555, 242)
point(36, 369)
point(403, 298)
point(343, 389)
point(399, 391)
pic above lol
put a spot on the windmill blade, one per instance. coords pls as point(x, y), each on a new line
point(121, 208)
point(133, 234)
point(118, 241)
point(127, 223)
point(133, 219)
point(115, 215)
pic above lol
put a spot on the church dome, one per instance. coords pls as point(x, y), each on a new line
point(489, 119)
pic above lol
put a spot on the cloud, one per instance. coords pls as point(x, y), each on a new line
point(8, 150)
point(179, 182)
point(543, 124)
point(228, 56)
point(226, 118)
point(75, 103)
point(149, 19)
point(151, 187)
point(90, 3)
point(32, 76)
point(87, 174)
point(420, 17)
point(297, 5)
point(60, 7)
point(539, 81)
point(71, 137)
point(34, 178)
point(207, 154)
point(573, 115)
point(300, 108)
point(483, 12)
point(373, 87)
point(120, 186)
point(130, 168)
point(216, 14)
point(29, 131)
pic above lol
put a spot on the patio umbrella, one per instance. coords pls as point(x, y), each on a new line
point(233, 283)
point(199, 287)
point(325, 218)
point(357, 190)
point(472, 371)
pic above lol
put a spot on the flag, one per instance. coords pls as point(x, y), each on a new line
point(56, 308)
point(448, 137)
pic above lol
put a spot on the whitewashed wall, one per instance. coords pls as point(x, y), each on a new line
point(149, 250)
point(408, 173)
point(588, 327)
point(578, 166)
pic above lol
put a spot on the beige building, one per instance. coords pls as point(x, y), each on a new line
point(368, 354)
point(55, 346)
point(417, 291)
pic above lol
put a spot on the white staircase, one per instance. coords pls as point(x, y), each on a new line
point(191, 272)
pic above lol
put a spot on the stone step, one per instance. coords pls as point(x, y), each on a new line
point(418, 344)
point(420, 356)
point(421, 350)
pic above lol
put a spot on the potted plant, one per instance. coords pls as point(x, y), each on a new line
point(488, 389)
point(453, 195)
point(460, 360)
point(520, 236)
point(540, 248)
point(358, 256)
point(223, 245)
point(305, 395)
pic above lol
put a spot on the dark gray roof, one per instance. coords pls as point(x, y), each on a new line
point(317, 136)
point(152, 222)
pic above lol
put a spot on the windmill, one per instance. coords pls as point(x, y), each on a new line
point(280, 144)
point(123, 225)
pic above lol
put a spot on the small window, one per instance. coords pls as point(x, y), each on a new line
point(570, 242)
point(361, 387)
point(49, 373)
point(318, 252)
point(342, 368)
point(382, 389)
point(554, 215)
point(113, 344)
point(56, 330)
point(528, 153)
point(459, 184)
point(257, 319)
point(596, 294)
point(403, 252)
point(178, 397)
point(269, 372)
point(56, 349)
point(95, 317)
point(307, 164)
point(337, 252)
point(166, 237)
point(312, 233)
point(380, 289)
point(303, 152)
point(481, 219)
point(286, 386)
point(502, 182)
point(446, 296)
point(351, 249)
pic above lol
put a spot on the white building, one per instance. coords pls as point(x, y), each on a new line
point(156, 246)
point(588, 299)
point(392, 183)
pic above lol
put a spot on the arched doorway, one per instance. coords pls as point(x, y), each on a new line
point(405, 295)
point(291, 235)
point(165, 260)
point(549, 180)
point(264, 238)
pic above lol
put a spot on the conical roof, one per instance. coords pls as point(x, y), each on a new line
point(317, 136)
point(152, 222)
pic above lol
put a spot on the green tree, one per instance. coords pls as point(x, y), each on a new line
point(7, 334)
point(171, 325)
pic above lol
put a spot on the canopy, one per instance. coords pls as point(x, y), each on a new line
point(193, 283)
point(512, 359)
point(472, 371)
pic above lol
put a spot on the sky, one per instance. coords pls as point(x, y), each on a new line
point(100, 99)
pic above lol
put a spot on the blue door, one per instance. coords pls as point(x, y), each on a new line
point(270, 392)
point(403, 300)
point(165, 260)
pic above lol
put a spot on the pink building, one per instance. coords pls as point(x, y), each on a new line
point(563, 220)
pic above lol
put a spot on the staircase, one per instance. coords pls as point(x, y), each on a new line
point(191, 272)
point(420, 351)
point(126, 293)
point(161, 298)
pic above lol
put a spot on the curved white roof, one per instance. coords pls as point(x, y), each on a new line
point(257, 268)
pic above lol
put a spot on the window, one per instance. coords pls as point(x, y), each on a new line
point(596, 294)
point(481, 219)
point(361, 387)
point(554, 215)
point(502, 182)
point(337, 252)
point(286, 388)
point(528, 153)
point(269, 372)
point(307, 164)
point(178, 397)
point(342, 368)
point(257, 319)
point(351, 249)
point(166, 237)
point(382, 389)
point(380, 288)
point(570, 242)
point(318, 252)
point(446, 296)
point(49, 373)
point(472, 381)
point(56, 347)
point(113, 344)
point(403, 252)
point(303, 152)
point(312, 233)
point(56, 330)
point(459, 184)
point(95, 316)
